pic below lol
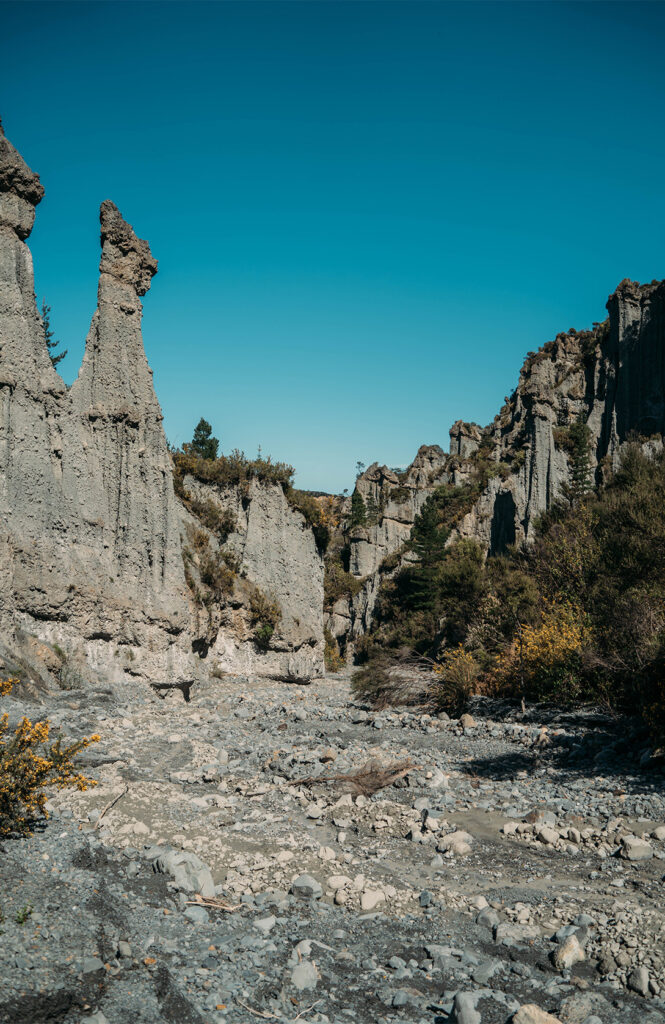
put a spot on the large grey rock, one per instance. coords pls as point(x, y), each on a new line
point(188, 871)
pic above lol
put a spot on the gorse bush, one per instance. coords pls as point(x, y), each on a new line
point(29, 765)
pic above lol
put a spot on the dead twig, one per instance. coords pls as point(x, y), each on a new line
point(111, 804)
point(369, 779)
point(214, 904)
point(257, 1013)
point(299, 1015)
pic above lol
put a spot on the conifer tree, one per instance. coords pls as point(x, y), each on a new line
point(203, 443)
point(51, 343)
point(373, 510)
point(428, 543)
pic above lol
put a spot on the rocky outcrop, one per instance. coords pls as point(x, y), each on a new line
point(91, 542)
point(611, 377)
point(270, 547)
point(465, 438)
point(91, 531)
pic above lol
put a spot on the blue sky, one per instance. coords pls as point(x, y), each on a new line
point(365, 214)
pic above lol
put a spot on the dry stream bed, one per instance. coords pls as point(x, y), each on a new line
point(518, 863)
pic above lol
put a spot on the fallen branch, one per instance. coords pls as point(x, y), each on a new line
point(299, 1015)
point(257, 1013)
point(369, 779)
point(111, 804)
point(214, 904)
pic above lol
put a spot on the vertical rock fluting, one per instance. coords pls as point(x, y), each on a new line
point(89, 531)
point(31, 392)
point(122, 471)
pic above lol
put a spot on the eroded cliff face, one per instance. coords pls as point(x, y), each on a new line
point(91, 531)
point(91, 542)
point(611, 377)
point(270, 555)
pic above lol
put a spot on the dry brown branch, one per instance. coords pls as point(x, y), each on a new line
point(367, 780)
point(257, 1013)
point(214, 904)
point(302, 1012)
point(111, 804)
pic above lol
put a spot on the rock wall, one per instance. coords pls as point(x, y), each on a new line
point(273, 548)
point(612, 377)
point(91, 531)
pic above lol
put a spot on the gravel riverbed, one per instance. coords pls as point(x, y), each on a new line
point(515, 870)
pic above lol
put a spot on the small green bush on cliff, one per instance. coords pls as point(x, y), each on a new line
point(231, 469)
point(265, 614)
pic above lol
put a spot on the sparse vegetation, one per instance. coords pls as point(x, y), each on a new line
point(23, 914)
point(333, 660)
point(265, 615)
point(220, 521)
point(49, 335)
point(233, 469)
point(400, 495)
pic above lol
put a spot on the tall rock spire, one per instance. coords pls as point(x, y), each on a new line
point(89, 530)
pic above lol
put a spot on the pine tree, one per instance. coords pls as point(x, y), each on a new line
point(428, 543)
point(580, 460)
point(51, 343)
point(203, 444)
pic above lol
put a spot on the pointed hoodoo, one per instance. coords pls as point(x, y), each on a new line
point(124, 256)
point(20, 190)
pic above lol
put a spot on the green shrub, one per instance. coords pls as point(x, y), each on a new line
point(333, 660)
point(339, 583)
point(265, 615)
point(220, 521)
point(231, 469)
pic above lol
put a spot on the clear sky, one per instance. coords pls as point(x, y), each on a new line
point(365, 214)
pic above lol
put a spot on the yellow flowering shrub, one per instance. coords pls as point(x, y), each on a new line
point(545, 659)
point(28, 764)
